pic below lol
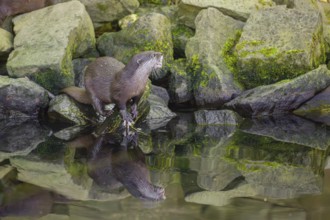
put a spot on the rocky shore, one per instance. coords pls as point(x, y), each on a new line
point(257, 58)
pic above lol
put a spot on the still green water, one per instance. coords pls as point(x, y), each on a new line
point(273, 168)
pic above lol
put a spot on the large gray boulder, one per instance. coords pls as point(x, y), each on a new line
point(281, 97)
point(317, 108)
point(237, 9)
point(47, 40)
point(6, 42)
point(279, 43)
point(151, 31)
point(214, 83)
point(109, 10)
point(21, 98)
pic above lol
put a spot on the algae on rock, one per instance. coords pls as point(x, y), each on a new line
point(279, 43)
point(213, 82)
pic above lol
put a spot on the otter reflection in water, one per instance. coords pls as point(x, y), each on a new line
point(113, 162)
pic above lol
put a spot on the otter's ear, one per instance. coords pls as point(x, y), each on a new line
point(139, 61)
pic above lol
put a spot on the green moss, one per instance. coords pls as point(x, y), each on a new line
point(228, 54)
point(160, 2)
point(102, 7)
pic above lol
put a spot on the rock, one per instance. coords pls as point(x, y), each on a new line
point(6, 43)
point(127, 21)
point(217, 117)
point(324, 8)
point(7, 175)
point(159, 113)
point(150, 32)
point(21, 98)
point(317, 108)
point(79, 66)
point(66, 110)
point(290, 129)
point(161, 93)
point(279, 43)
point(109, 10)
point(47, 40)
point(181, 35)
point(20, 137)
point(237, 9)
point(180, 88)
point(213, 81)
point(281, 97)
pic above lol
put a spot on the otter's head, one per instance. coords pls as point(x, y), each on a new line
point(147, 61)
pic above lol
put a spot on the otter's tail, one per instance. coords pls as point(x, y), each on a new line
point(79, 94)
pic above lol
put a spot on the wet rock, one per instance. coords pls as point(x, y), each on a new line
point(214, 83)
point(217, 117)
point(282, 97)
point(287, 43)
point(7, 174)
point(237, 9)
point(20, 137)
point(180, 88)
point(151, 31)
point(161, 93)
point(290, 129)
point(21, 98)
point(159, 113)
point(102, 11)
point(46, 41)
point(6, 43)
point(317, 108)
point(66, 110)
point(324, 8)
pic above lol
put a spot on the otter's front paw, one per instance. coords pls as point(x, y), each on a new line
point(127, 118)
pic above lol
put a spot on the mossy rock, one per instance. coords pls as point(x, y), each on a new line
point(47, 40)
point(150, 32)
point(279, 43)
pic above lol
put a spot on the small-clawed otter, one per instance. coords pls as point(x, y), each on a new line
point(105, 85)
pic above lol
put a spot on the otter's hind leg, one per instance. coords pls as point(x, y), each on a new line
point(99, 107)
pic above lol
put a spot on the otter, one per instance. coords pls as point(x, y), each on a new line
point(105, 83)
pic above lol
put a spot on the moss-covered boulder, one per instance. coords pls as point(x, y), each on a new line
point(279, 43)
point(212, 82)
point(6, 43)
point(150, 32)
point(317, 108)
point(47, 40)
point(21, 98)
point(66, 110)
point(282, 97)
point(234, 8)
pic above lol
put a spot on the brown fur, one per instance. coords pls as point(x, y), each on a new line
point(107, 82)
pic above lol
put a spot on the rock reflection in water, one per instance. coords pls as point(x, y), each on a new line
point(114, 161)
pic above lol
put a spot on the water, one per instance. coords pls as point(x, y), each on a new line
point(273, 168)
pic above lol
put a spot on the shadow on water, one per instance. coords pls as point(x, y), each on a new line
point(261, 169)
